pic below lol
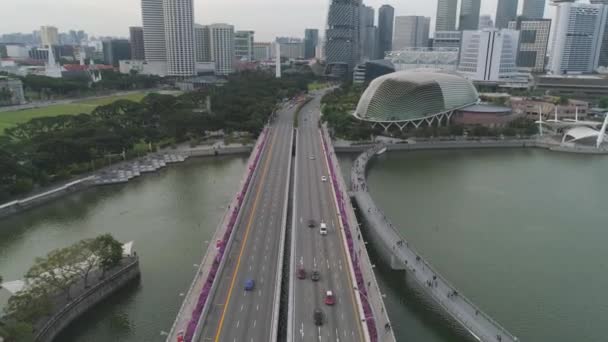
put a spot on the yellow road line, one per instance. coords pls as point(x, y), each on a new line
point(244, 243)
point(343, 248)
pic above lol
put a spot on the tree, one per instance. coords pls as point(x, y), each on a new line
point(603, 103)
point(16, 331)
point(29, 305)
point(55, 271)
point(109, 251)
point(85, 259)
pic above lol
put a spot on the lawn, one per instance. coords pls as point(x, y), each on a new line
point(9, 119)
point(317, 86)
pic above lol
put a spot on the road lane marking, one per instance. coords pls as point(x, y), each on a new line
point(254, 322)
point(242, 307)
point(248, 228)
point(238, 323)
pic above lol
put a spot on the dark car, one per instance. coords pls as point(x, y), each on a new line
point(301, 273)
point(315, 275)
point(318, 317)
point(311, 223)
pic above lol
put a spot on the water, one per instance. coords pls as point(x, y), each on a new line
point(520, 232)
point(170, 215)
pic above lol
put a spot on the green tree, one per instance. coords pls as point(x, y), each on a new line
point(16, 331)
point(29, 305)
point(603, 103)
point(56, 271)
point(109, 251)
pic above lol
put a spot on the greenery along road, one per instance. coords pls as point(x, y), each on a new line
point(48, 149)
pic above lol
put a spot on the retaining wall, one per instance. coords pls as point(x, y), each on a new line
point(87, 300)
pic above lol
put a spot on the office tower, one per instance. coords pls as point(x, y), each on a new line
point(446, 15)
point(116, 50)
point(154, 30)
point(342, 37)
point(386, 18)
point(533, 42)
point(179, 37)
point(411, 31)
point(202, 43)
point(577, 38)
point(599, 2)
point(291, 48)
point(485, 22)
point(469, 14)
point(136, 38)
point(534, 9)
point(49, 36)
point(489, 55)
point(368, 34)
point(261, 51)
point(222, 48)
point(447, 39)
point(243, 45)
point(506, 11)
point(311, 39)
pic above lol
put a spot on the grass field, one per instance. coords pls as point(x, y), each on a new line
point(9, 119)
point(317, 86)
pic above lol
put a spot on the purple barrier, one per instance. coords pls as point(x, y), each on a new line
point(367, 309)
point(204, 295)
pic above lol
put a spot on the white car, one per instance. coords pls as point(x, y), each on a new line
point(324, 179)
point(311, 157)
point(323, 228)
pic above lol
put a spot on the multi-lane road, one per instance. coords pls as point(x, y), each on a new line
point(325, 253)
point(237, 315)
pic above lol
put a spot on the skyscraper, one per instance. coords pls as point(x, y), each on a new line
point(202, 43)
point(411, 31)
point(534, 9)
point(386, 18)
point(116, 50)
point(154, 30)
point(136, 38)
point(49, 36)
point(489, 55)
point(446, 15)
point(179, 37)
point(485, 22)
point(505, 11)
point(222, 48)
point(533, 42)
point(342, 37)
point(578, 37)
point(469, 14)
point(243, 45)
point(311, 39)
point(368, 34)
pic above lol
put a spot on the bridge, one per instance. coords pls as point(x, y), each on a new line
point(292, 182)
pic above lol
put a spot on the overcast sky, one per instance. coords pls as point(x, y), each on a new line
point(269, 18)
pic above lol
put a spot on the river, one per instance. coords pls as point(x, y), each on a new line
point(171, 215)
point(520, 232)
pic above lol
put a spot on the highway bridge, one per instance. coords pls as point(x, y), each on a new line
point(270, 232)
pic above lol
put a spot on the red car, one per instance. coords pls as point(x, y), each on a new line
point(301, 273)
point(330, 299)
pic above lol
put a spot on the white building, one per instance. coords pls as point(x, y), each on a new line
point(577, 37)
point(154, 30)
point(222, 48)
point(16, 51)
point(411, 31)
point(485, 22)
point(179, 37)
point(291, 48)
point(261, 51)
point(243, 45)
point(489, 55)
point(533, 43)
point(49, 36)
point(424, 58)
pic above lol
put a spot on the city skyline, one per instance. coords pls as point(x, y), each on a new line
point(290, 17)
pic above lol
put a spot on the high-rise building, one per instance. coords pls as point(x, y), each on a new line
point(577, 37)
point(202, 43)
point(469, 14)
point(311, 40)
point(179, 37)
point(368, 34)
point(291, 48)
point(485, 22)
point(534, 9)
point(599, 2)
point(447, 39)
point(489, 55)
point(446, 15)
point(342, 37)
point(222, 48)
point(243, 45)
point(533, 42)
point(506, 11)
point(154, 30)
point(261, 51)
point(116, 50)
point(49, 36)
point(136, 38)
point(411, 31)
point(386, 19)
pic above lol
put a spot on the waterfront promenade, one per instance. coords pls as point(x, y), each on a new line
point(398, 250)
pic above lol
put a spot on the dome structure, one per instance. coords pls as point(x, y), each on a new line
point(406, 96)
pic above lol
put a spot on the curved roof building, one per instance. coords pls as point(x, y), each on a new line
point(414, 95)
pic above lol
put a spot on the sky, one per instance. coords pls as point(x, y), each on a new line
point(268, 18)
